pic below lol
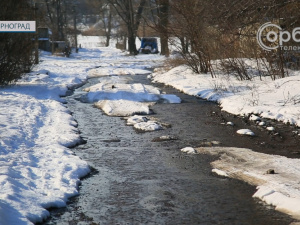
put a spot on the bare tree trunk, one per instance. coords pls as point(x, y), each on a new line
point(109, 21)
point(131, 18)
point(131, 42)
point(163, 15)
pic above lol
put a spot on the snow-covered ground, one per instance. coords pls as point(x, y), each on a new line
point(279, 99)
point(37, 169)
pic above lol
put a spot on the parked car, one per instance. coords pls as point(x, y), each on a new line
point(149, 46)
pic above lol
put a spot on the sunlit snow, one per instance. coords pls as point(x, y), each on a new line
point(39, 171)
point(37, 168)
point(121, 99)
point(245, 132)
point(280, 189)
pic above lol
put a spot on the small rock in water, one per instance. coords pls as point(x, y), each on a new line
point(209, 143)
point(164, 138)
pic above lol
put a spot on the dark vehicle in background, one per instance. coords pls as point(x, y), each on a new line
point(149, 45)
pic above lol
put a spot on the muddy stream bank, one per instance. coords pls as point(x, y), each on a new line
point(138, 181)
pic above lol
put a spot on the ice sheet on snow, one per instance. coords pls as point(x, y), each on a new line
point(280, 189)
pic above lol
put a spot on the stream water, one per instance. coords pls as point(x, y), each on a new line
point(138, 181)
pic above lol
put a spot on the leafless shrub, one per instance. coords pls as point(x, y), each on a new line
point(190, 27)
point(289, 99)
point(15, 48)
point(226, 30)
point(174, 62)
point(237, 67)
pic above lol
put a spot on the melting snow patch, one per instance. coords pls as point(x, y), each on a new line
point(136, 119)
point(165, 138)
point(280, 189)
point(144, 123)
point(148, 126)
point(123, 107)
point(173, 99)
point(220, 172)
point(119, 99)
point(189, 150)
point(255, 118)
point(245, 132)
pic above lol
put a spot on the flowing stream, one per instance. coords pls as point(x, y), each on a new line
point(139, 181)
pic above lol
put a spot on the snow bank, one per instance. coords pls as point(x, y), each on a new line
point(279, 99)
point(280, 189)
point(37, 169)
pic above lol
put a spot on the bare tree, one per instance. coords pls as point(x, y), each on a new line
point(106, 13)
point(58, 12)
point(226, 31)
point(190, 20)
point(130, 11)
point(163, 22)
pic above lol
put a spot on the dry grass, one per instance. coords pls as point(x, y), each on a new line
point(174, 62)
